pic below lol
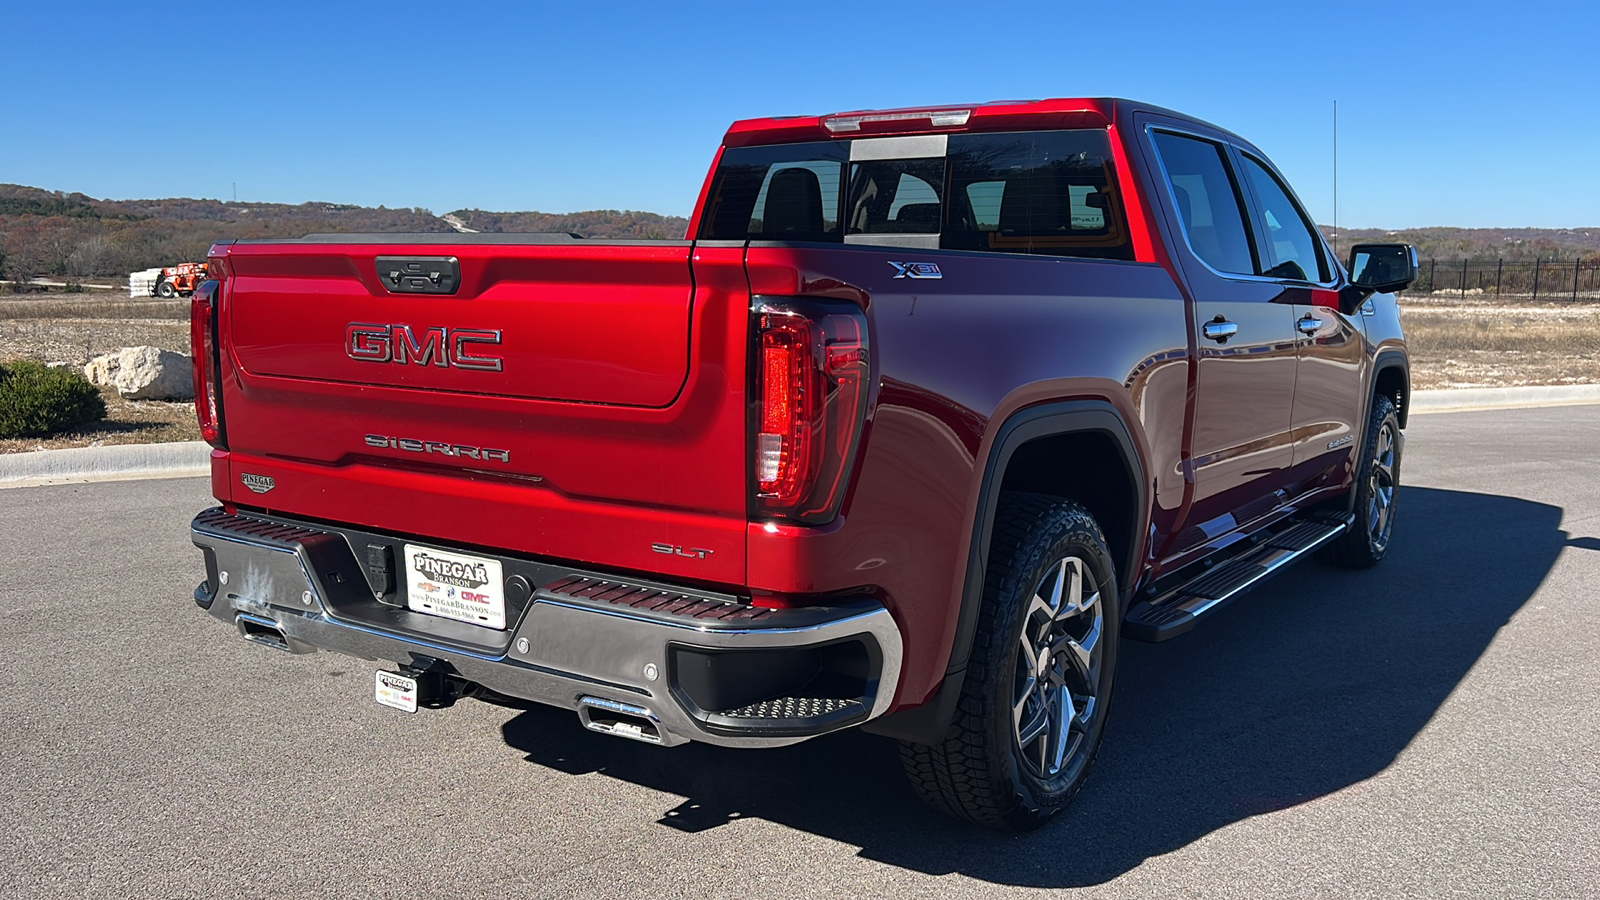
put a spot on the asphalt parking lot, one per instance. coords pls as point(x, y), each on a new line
point(1428, 728)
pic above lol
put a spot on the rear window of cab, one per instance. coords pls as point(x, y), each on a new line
point(1035, 192)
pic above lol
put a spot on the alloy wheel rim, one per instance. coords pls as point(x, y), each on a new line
point(1380, 489)
point(1057, 683)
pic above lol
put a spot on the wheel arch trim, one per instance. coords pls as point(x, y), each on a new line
point(927, 722)
point(1393, 359)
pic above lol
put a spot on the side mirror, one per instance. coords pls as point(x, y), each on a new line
point(1383, 268)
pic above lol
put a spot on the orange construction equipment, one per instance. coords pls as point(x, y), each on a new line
point(180, 280)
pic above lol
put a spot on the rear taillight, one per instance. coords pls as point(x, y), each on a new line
point(203, 344)
point(811, 376)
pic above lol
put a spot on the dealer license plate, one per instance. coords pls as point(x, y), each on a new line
point(455, 586)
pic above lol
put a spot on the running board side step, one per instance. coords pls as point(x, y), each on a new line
point(1177, 610)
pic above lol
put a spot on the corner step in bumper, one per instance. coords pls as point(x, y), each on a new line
point(1177, 610)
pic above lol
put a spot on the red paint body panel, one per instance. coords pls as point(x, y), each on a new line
point(289, 303)
point(1001, 116)
point(612, 479)
point(954, 359)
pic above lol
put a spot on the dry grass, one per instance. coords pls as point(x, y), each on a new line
point(126, 422)
point(94, 306)
point(76, 341)
point(1458, 343)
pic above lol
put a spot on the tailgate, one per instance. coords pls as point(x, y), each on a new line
point(578, 400)
point(577, 322)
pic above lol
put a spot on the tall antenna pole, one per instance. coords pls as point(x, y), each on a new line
point(1336, 178)
point(1335, 192)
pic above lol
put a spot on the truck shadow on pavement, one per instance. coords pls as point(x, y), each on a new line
point(1309, 685)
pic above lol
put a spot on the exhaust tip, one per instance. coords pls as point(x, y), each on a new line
point(621, 719)
point(263, 631)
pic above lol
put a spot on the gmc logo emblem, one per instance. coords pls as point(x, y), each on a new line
point(405, 345)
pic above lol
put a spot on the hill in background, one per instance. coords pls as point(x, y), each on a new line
point(600, 223)
point(60, 235)
point(54, 234)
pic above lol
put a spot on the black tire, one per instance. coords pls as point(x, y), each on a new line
point(985, 771)
point(166, 290)
point(1376, 493)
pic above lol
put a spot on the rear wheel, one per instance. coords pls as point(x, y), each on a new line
point(1376, 487)
point(1034, 701)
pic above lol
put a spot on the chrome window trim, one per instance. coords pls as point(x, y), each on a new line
point(908, 240)
point(1229, 147)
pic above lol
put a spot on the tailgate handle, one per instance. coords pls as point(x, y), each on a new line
point(419, 274)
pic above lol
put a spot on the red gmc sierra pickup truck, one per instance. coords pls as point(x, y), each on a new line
point(930, 409)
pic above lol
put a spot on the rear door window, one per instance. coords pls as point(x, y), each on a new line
point(1209, 204)
point(1292, 248)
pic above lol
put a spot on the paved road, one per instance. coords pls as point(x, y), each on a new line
point(1430, 728)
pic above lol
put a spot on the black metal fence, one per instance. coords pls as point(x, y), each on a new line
point(1540, 279)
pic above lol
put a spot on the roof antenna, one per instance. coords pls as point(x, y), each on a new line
point(1336, 178)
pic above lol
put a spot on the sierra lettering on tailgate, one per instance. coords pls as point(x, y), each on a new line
point(440, 447)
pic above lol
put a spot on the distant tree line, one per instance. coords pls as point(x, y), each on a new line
point(1480, 244)
point(600, 223)
point(70, 236)
point(46, 234)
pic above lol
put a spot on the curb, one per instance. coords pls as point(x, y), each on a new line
point(118, 462)
point(1464, 399)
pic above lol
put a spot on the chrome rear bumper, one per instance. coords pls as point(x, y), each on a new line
point(615, 651)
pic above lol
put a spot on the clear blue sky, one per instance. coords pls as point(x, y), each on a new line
point(1467, 113)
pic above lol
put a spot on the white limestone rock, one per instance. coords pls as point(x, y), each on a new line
point(144, 373)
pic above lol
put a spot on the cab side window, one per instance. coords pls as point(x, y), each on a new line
point(1208, 201)
point(1292, 250)
point(1048, 193)
point(787, 192)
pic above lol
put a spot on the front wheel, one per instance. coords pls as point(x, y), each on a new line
point(165, 290)
point(1376, 487)
point(1038, 683)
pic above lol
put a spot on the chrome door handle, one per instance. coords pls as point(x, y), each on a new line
point(1309, 325)
point(1219, 329)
